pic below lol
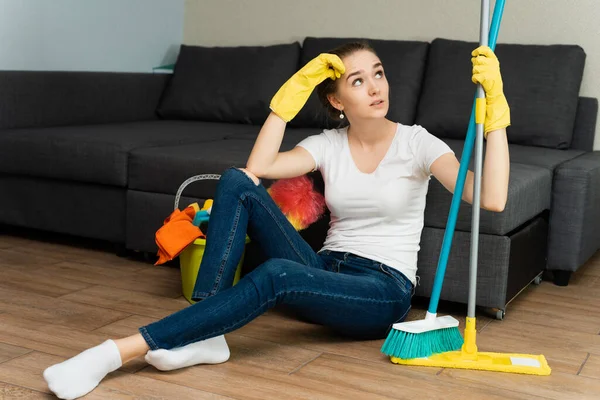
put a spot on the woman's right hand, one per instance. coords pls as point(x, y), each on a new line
point(291, 97)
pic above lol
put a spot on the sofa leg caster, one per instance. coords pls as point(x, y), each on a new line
point(500, 314)
point(561, 278)
point(120, 250)
point(497, 313)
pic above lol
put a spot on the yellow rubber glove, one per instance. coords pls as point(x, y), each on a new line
point(207, 204)
point(486, 71)
point(291, 97)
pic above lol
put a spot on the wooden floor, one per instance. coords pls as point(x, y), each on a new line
point(57, 299)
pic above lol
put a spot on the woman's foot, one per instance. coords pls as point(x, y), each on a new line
point(79, 375)
point(209, 351)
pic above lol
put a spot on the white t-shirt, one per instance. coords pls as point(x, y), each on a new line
point(379, 215)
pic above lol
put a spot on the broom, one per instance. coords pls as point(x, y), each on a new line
point(434, 334)
point(469, 357)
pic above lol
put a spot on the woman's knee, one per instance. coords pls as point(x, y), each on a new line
point(250, 175)
point(234, 181)
point(239, 174)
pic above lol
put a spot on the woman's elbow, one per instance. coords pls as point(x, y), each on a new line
point(251, 174)
point(496, 204)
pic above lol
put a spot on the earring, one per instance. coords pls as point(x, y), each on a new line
point(341, 115)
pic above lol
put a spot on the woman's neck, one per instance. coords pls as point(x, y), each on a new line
point(370, 133)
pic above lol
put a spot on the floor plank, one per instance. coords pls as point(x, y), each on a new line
point(394, 380)
point(245, 382)
point(127, 301)
point(23, 259)
point(573, 292)
point(536, 307)
point(546, 302)
point(44, 337)
point(15, 392)
point(279, 327)
point(4, 241)
point(558, 386)
point(266, 355)
point(591, 368)
point(590, 268)
point(159, 281)
point(55, 339)
point(121, 385)
point(8, 352)
point(27, 371)
point(565, 350)
point(65, 252)
point(125, 327)
point(571, 339)
point(52, 310)
point(46, 283)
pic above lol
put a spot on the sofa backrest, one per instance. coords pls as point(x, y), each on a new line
point(227, 84)
point(404, 65)
point(541, 84)
point(59, 98)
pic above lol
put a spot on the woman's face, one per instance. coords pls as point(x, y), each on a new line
point(363, 90)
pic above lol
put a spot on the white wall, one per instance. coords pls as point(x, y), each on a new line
point(89, 35)
point(237, 22)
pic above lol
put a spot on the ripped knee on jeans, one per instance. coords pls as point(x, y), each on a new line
point(250, 175)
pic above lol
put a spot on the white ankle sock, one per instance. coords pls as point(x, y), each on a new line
point(79, 375)
point(209, 351)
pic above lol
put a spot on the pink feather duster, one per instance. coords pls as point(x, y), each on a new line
point(298, 200)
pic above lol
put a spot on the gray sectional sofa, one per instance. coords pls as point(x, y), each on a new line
point(101, 155)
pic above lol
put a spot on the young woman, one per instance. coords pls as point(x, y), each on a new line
point(376, 175)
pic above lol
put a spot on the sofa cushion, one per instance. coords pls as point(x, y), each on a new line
point(541, 84)
point(164, 169)
point(530, 155)
point(404, 63)
point(96, 153)
point(541, 157)
point(529, 194)
point(227, 84)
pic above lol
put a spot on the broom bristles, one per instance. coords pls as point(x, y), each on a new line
point(406, 345)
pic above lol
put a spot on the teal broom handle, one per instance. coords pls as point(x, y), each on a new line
point(462, 175)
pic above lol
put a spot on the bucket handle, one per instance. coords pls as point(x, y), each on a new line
point(195, 178)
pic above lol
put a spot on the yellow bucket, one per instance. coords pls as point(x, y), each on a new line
point(189, 263)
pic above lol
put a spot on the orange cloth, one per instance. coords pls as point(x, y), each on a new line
point(176, 234)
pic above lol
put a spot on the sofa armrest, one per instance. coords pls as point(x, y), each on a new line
point(575, 213)
point(59, 98)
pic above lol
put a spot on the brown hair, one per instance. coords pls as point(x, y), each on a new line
point(329, 86)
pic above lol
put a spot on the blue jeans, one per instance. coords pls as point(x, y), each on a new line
point(353, 295)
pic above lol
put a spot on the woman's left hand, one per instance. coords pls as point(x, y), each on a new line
point(486, 71)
